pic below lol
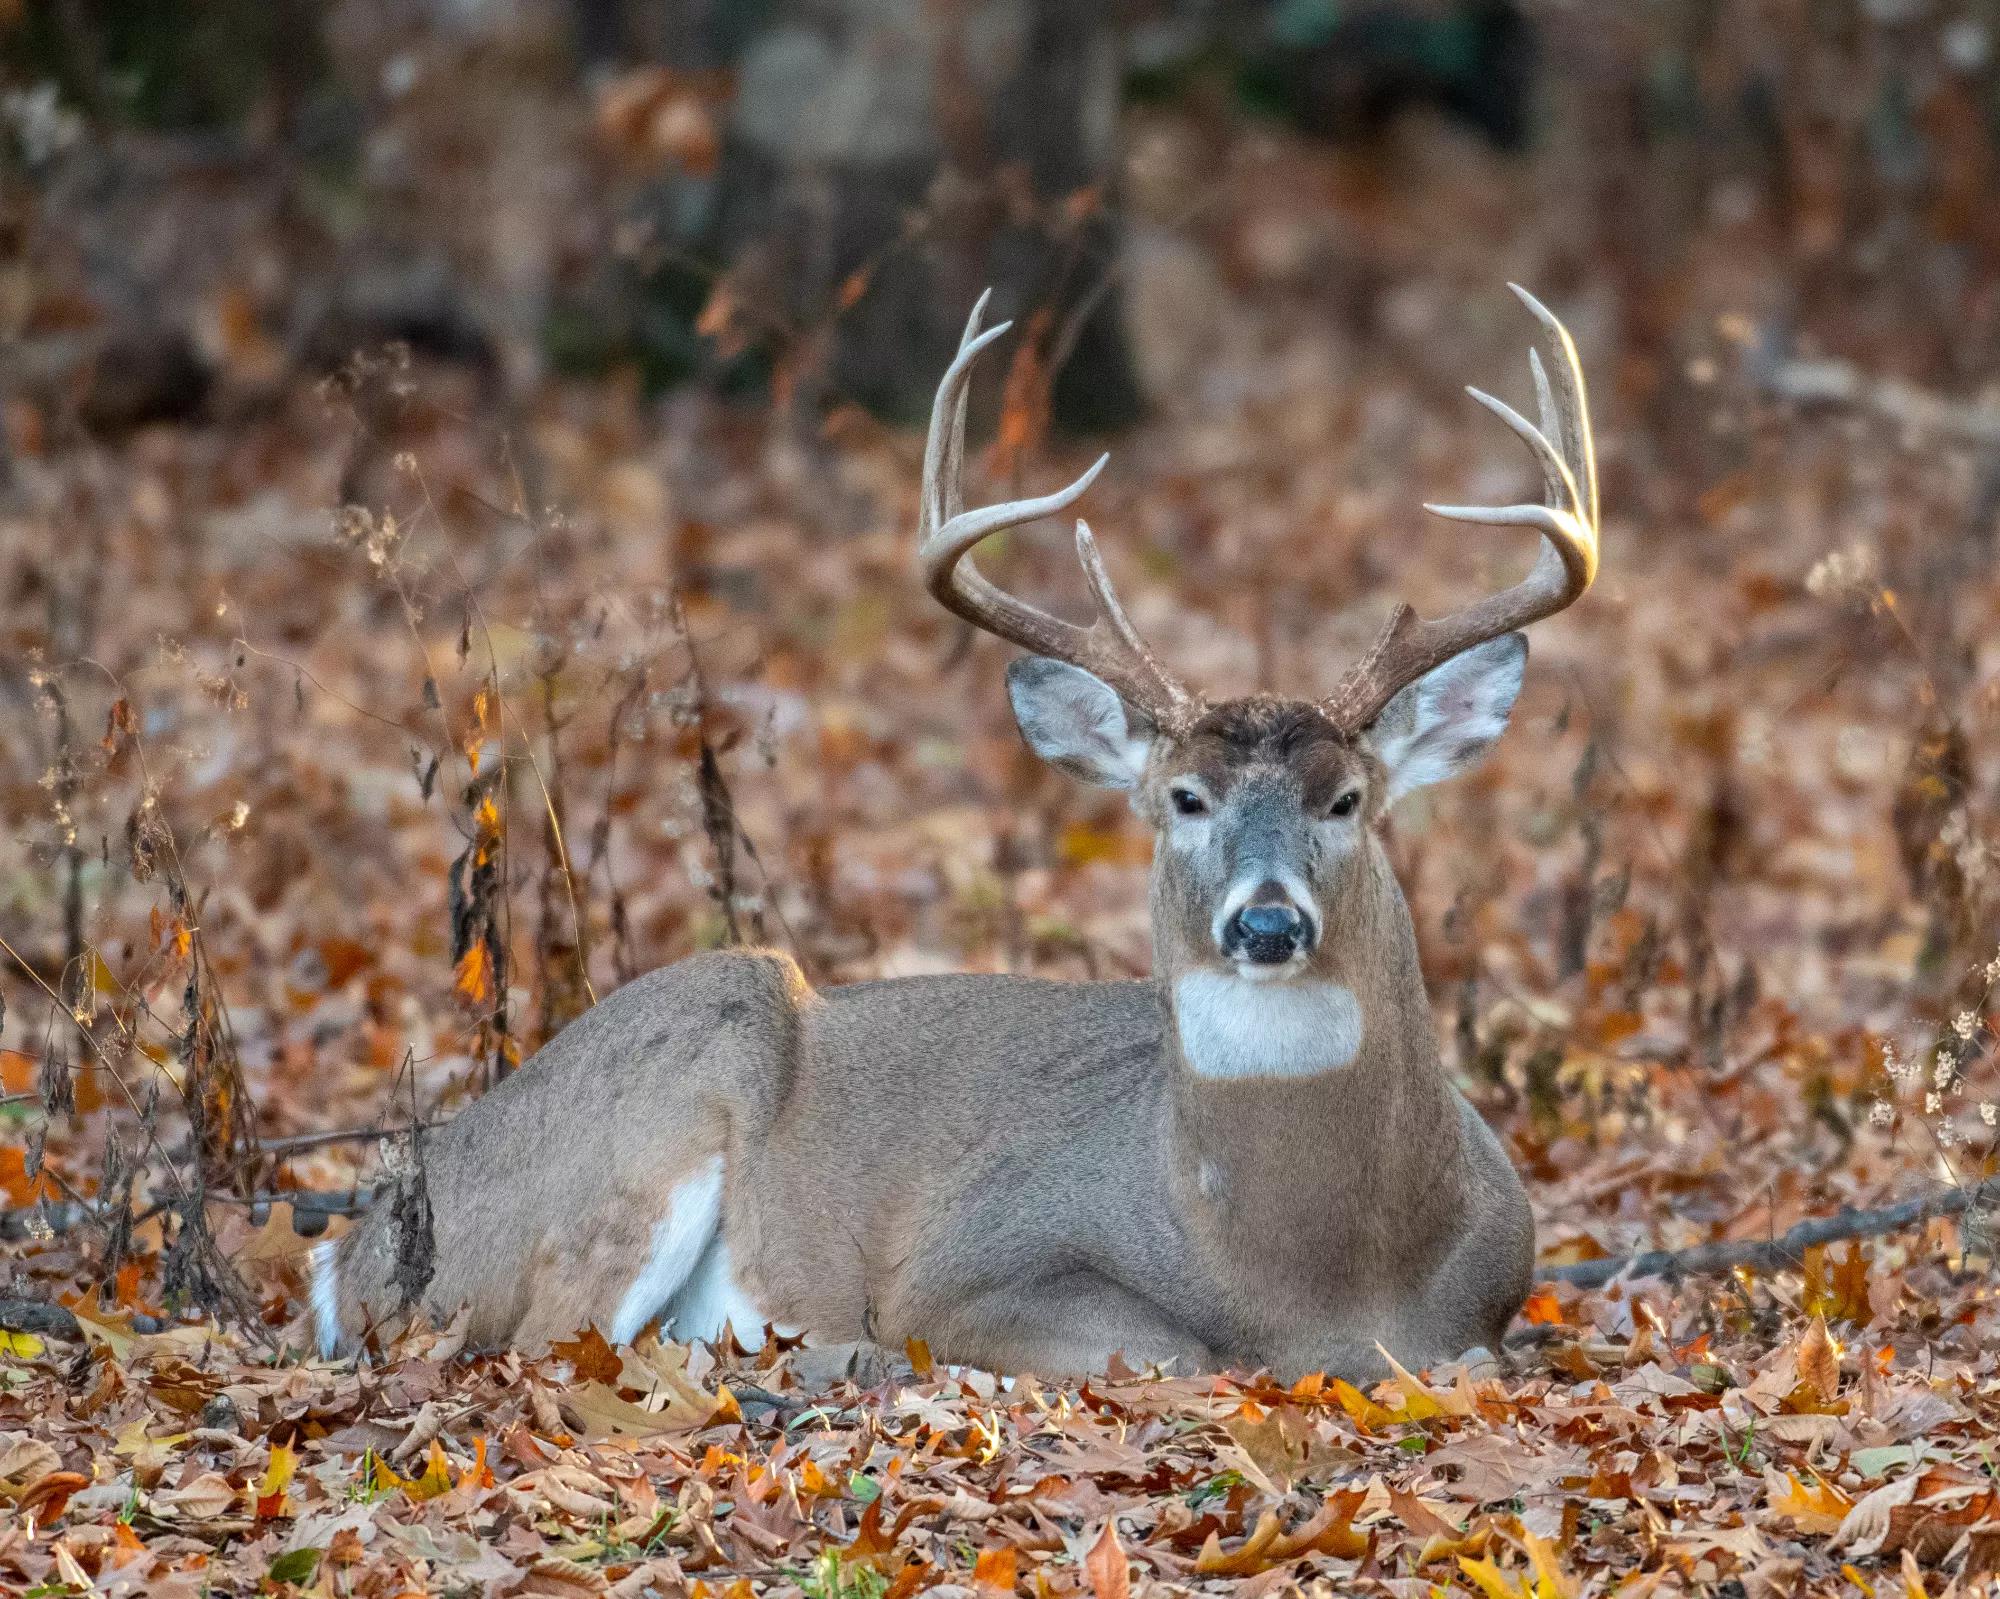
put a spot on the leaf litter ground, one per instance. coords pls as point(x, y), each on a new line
point(1695, 937)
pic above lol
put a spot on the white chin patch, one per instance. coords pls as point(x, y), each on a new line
point(1233, 1026)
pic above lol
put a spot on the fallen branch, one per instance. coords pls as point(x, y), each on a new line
point(1842, 384)
point(309, 1205)
point(1775, 1254)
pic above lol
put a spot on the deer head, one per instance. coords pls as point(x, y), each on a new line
point(1267, 865)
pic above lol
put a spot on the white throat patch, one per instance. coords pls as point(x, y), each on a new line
point(1231, 1027)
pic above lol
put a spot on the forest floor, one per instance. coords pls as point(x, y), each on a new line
point(1711, 939)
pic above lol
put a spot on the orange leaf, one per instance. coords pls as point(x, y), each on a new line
point(1543, 1309)
point(1110, 1574)
point(479, 1474)
point(994, 1571)
point(17, 1072)
point(16, 1184)
point(473, 981)
point(919, 1352)
point(594, 1359)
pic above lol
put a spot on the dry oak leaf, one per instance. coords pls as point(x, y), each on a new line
point(1819, 1362)
point(1421, 1401)
point(572, 1489)
point(1865, 1528)
point(22, 1460)
point(208, 1496)
point(1109, 1572)
point(1330, 1532)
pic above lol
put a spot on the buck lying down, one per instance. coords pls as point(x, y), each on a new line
point(1253, 1159)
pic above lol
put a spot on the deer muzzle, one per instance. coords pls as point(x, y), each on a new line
point(1269, 931)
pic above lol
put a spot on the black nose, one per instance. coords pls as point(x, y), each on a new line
point(1266, 935)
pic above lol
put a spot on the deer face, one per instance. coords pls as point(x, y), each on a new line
point(1263, 809)
point(1269, 886)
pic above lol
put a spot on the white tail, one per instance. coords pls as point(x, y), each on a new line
point(1251, 1158)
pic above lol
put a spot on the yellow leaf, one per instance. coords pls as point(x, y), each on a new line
point(271, 1491)
point(1819, 1508)
point(1421, 1401)
point(1551, 1580)
point(436, 1478)
point(20, 1345)
point(130, 1442)
point(1492, 1581)
point(1368, 1416)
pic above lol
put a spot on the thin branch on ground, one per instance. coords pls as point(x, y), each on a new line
point(1775, 1254)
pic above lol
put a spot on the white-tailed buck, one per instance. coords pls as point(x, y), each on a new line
point(1253, 1158)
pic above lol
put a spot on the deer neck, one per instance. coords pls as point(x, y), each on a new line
point(1327, 1080)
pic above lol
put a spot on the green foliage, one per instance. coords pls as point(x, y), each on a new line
point(167, 66)
point(830, 1578)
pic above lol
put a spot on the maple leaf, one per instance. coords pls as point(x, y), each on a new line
point(1816, 1508)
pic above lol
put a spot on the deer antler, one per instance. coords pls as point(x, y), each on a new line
point(946, 532)
point(1567, 518)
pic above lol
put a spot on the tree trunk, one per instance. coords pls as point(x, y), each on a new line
point(886, 160)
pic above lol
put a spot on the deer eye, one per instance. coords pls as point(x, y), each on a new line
point(1344, 806)
point(1188, 802)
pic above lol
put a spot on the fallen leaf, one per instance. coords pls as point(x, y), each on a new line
point(1819, 1362)
point(1109, 1572)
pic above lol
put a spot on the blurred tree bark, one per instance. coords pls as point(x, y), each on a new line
point(883, 161)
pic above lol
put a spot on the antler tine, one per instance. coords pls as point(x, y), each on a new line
point(1110, 647)
point(1567, 519)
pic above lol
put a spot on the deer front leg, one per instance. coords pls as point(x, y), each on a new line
point(1062, 1327)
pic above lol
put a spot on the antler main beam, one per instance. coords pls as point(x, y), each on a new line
point(1567, 519)
point(946, 533)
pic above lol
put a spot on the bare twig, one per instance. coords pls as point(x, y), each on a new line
point(1774, 1254)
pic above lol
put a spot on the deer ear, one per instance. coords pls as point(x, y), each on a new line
point(1077, 722)
point(1445, 721)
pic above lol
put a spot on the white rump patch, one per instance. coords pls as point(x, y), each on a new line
point(325, 1299)
point(713, 1299)
point(694, 1210)
point(1233, 1027)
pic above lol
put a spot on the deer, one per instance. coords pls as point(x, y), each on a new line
point(1253, 1158)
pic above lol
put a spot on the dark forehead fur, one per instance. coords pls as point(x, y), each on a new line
point(1263, 727)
